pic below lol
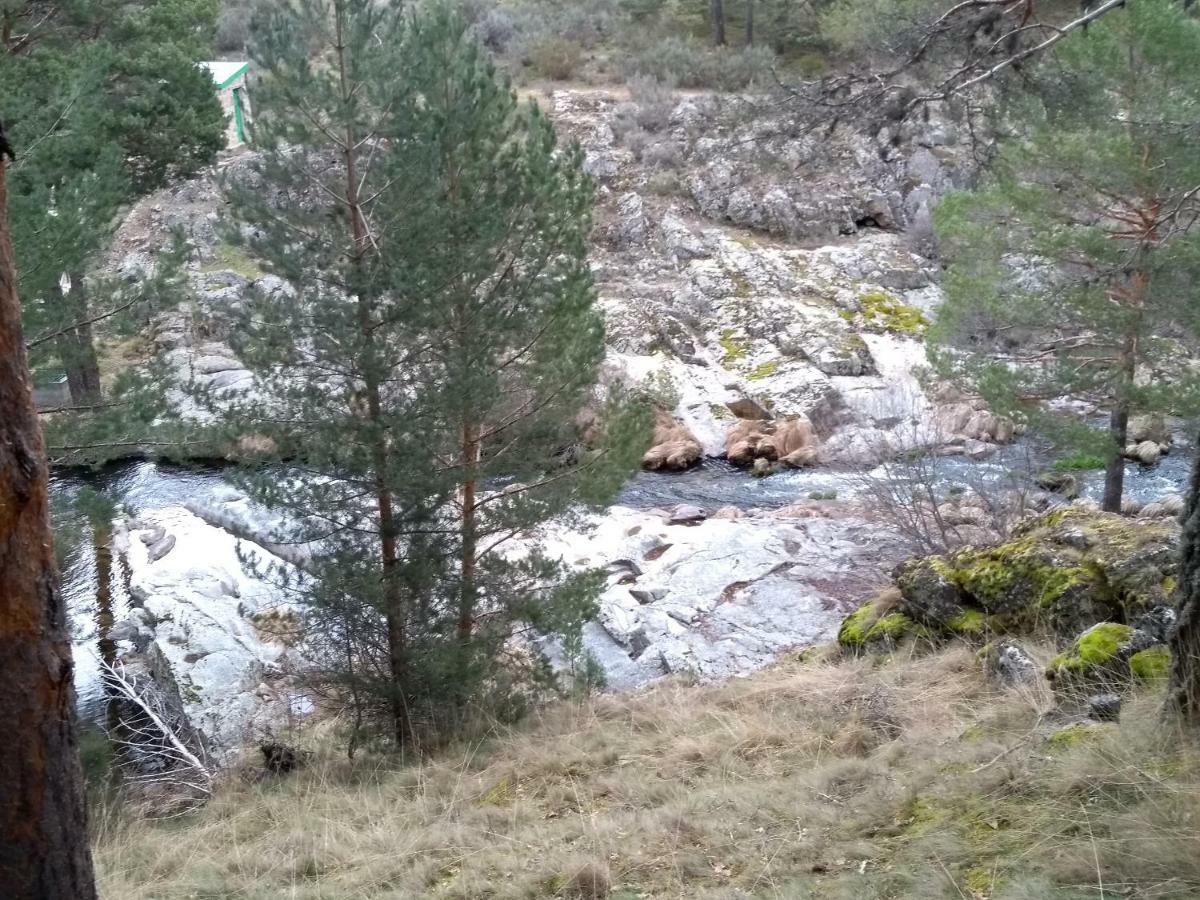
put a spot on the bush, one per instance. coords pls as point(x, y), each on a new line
point(233, 27)
point(495, 29)
point(556, 58)
point(662, 155)
point(653, 101)
point(690, 64)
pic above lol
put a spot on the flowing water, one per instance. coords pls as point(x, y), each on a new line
point(141, 487)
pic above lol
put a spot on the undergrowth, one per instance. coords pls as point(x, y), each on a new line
point(910, 777)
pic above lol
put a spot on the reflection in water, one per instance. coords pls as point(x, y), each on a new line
point(105, 619)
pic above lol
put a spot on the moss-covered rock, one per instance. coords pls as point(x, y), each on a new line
point(877, 623)
point(887, 312)
point(1109, 656)
point(928, 591)
point(1069, 570)
point(853, 633)
point(1097, 649)
point(1153, 664)
point(891, 627)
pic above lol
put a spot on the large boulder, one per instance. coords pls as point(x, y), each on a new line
point(792, 441)
point(748, 440)
point(1109, 656)
point(1149, 428)
point(1070, 569)
point(673, 447)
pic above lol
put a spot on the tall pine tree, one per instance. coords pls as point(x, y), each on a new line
point(425, 378)
point(1078, 261)
point(44, 852)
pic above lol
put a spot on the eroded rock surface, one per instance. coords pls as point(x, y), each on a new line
point(723, 596)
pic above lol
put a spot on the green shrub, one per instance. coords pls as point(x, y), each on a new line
point(556, 58)
point(690, 64)
point(97, 756)
point(1080, 462)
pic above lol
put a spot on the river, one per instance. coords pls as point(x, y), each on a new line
point(142, 487)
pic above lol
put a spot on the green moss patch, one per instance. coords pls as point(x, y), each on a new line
point(877, 621)
point(1098, 647)
point(891, 627)
point(735, 349)
point(890, 314)
point(765, 370)
point(855, 626)
point(969, 622)
point(1075, 735)
point(1151, 665)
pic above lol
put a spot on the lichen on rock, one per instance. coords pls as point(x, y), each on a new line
point(1070, 569)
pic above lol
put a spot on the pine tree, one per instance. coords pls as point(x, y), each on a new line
point(1078, 260)
point(717, 12)
point(43, 828)
point(105, 105)
point(442, 338)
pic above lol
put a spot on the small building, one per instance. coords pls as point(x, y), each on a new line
point(230, 81)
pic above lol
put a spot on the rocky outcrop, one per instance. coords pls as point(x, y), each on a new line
point(192, 629)
point(716, 596)
point(1067, 570)
point(673, 448)
point(792, 441)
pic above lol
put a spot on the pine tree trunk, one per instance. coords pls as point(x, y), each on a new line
point(470, 463)
point(718, 22)
point(44, 851)
point(1114, 470)
point(749, 23)
point(1118, 427)
point(1184, 693)
point(77, 346)
point(394, 616)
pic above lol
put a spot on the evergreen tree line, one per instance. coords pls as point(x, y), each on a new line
point(106, 103)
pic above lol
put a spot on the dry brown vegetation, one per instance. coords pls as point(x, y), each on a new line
point(908, 776)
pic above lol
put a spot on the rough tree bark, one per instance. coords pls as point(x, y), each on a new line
point(1184, 695)
point(44, 851)
point(1114, 469)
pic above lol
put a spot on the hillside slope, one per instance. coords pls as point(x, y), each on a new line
point(901, 776)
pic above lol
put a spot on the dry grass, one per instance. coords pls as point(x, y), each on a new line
point(843, 779)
